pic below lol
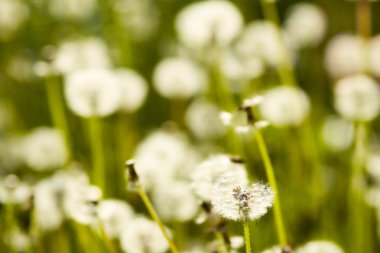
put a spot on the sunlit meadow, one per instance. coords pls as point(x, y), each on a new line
point(213, 126)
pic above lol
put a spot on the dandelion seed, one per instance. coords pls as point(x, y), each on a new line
point(285, 106)
point(179, 78)
point(92, 92)
point(357, 98)
point(207, 173)
point(239, 202)
point(204, 23)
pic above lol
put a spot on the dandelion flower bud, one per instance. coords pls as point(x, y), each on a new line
point(357, 98)
point(305, 24)
point(320, 247)
point(203, 23)
point(115, 215)
point(133, 88)
point(344, 56)
point(285, 106)
point(240, 202)
point(143, 235)
point(207, 173)
point(80, 54)
point(179, 78)
point(92, 92)
point(44, 149)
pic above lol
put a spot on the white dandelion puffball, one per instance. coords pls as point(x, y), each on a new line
point(337, 133)
point(260, 39)
point(73, 55)
point(13, 14)
point(320, 247)
point(175, 201)
point(203, 119)
point(203, 23)
point(206, 174)
point(275, 249)
point(240, 202)
point(92, 92)
point(374, 55)
point(134, 89)
point(160, 156)
point(285, 106)
point(306, 24)
point(179, 78)
point(357, 98)
point(143, 235)
point(44, 149)
point(344, 56)
point(72, 9)
point(115, 215)
point(14, 191)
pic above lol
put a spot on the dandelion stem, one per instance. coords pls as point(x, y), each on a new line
point(57, 111)
point(97, 152)
point(247, 237)
point(156, 218)
point(221, 244)
point(273, 184)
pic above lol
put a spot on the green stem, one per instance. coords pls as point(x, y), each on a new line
point(57, 111)
point(106, 239)
point(156, 218)
point(273, 184)
point(97, 151)
point(221, 245)
point(285, 68)
point(247, 237)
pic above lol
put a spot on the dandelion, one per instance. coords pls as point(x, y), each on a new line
point(203, 23)
point(179, 78)
point(14, 191)
point(320, 247)
point(133, 88)
point(202, 117)
point(142, 235)
point(13, 14)
point(285, 106)
point(44, 149)
point(357, 98)
point(305, 24)
point(85, 53)
point(92, 92)
point(374, 55)
point(344, 56)
point(337, 133)
point(72, 9)
point(207, 173)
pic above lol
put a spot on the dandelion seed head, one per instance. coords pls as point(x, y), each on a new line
point(92, 92)
point(134, 89)
point(305, 24)
point(240, 202)
point(175, 201)
point(206, 174)
point(115, 215)
point(203, 119)
point(242, 67)
point(357, 98)
point(17, 239)
point(85, 53)
point(320, 247)
point(275, 249)
point(13, 14)
point(285, 106)
point(337, 133)
point(14, 191)
point(344, 56)
point(142, 235)
point(72, 9)
point(203, 23)
point(177, 77)
point(44, 149)
point(374, 55)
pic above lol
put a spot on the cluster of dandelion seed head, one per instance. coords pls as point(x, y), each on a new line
point(357, 98)
point(285, 106)
point(209, 22)
point(178, 77)
point(240, 202)
point(206, 174)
